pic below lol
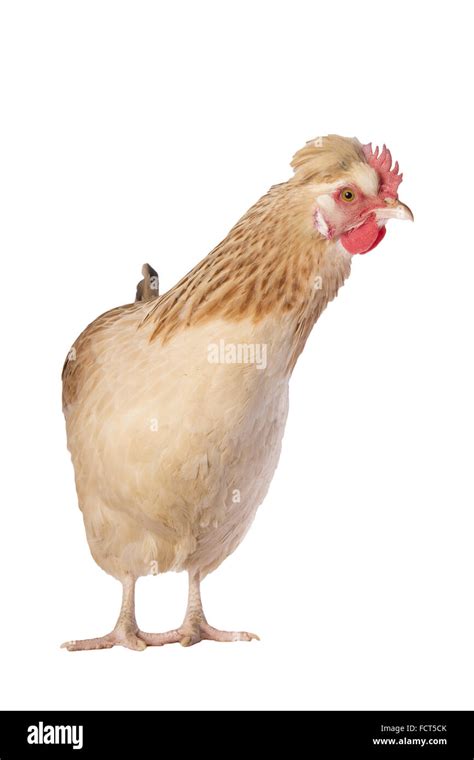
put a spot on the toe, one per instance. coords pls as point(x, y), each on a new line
point(244, 636)
point(191, 638)
point(134, 642)
point(213, 634)
point(159, 639)
point(88, 644)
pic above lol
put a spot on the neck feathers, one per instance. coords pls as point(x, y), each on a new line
point(272, 262)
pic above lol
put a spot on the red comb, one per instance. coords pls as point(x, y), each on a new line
point(390, 178)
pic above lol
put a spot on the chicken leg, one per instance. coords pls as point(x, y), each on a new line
point(125, 632)
point(195, 627)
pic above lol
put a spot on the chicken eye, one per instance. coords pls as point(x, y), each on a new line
point(347, 195)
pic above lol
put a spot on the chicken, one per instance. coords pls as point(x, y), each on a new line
point(176, 405)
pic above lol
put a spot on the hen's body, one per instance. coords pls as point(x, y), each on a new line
point(172, 453)
point(176, 407)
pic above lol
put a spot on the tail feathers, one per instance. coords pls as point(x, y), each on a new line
point(148, 288)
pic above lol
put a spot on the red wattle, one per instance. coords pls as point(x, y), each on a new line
point(364, 238)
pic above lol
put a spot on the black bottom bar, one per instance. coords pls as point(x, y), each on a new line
point(322, 734)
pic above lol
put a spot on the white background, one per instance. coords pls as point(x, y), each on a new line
point(141, 131)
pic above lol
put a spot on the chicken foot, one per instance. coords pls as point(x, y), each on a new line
point(195, 627)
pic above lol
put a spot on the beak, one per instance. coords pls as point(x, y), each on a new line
point(394, 209)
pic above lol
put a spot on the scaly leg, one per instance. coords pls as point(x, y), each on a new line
point(125, 631)
point(195, 627)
